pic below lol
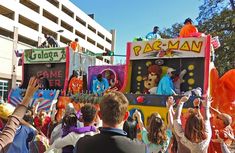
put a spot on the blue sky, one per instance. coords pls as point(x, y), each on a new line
point(132, 18)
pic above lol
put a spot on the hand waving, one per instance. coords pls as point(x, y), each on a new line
point(196, 102)
point(170, 101)
point(184, 99)
point(31, 89)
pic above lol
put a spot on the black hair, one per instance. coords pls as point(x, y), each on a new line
point(156, 27)
point(76, 39)
point(99, 77)
point(188, 20)
point(130, 127)
point(69, 120)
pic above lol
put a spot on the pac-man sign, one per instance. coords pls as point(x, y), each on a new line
point(168, 48)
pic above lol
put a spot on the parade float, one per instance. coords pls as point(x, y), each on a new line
point(71, 75)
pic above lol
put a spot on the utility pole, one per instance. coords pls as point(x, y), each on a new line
point(14, 59)
point(113, 32)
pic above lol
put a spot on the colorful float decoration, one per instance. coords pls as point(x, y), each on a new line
point(55, 67)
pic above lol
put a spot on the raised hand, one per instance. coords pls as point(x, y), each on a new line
point(170, 101)
point(229, 134)
point(31, 89)
point(184, 99)
point(207, 102)
point(196, 102)
point(137, 114)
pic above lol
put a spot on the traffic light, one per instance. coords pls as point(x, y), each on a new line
point(108, 53)
point(105, 54)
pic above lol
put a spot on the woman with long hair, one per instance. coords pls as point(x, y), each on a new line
point(156, 136)
point(197, 133)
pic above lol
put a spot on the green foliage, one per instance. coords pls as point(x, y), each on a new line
point(211, 8)
point(222, 25)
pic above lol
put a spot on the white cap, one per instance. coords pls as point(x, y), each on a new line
point(169, 70)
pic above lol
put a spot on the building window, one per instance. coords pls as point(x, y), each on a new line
point(67, 11)
point(27, 22)
point(100, 46)
point(90, 40)
point(50, 16)
point(54, 2)
point(106, 61)
point(49, 32)
point(80, 21)
point(101, 35)
point(91, 28)
point(107, 50)
point(7, 12)
point(27, 41)
point(3, 89)
point(65, 40)
point(99, 57)
point(79, 34)
point(66, 26)
point(108, 40)
point(6, 33)
point(30, 5)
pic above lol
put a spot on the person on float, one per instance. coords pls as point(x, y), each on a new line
point(166, 85)
point(153, 35)
point(188, 30)
point(100, 85)
point(51, 41)
point(75, 45)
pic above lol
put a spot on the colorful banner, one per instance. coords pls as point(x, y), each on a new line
point(168, 48)
point(44, 55)
point(16, 96)
point(113, 73)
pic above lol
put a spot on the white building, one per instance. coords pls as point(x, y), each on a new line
point(23, 23)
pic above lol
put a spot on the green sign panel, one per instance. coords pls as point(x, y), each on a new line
point(42, 55)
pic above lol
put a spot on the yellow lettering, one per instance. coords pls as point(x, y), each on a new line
point(137, 50)
point(173, 46)
point(156, 45)
point(148, 48)
point(185, 46)
point(196, 47)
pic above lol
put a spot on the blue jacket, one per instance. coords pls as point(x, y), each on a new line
point(100, 87)
point(165, 86)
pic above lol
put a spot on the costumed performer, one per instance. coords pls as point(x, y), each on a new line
point(100, 85)
point(188, 29)
point(166, 86)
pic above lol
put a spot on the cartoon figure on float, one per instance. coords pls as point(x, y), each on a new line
point(100, 85)
point(112, 78)
point(75, 83)
point(152, 79)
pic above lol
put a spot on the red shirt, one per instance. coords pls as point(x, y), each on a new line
point(42, 125)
